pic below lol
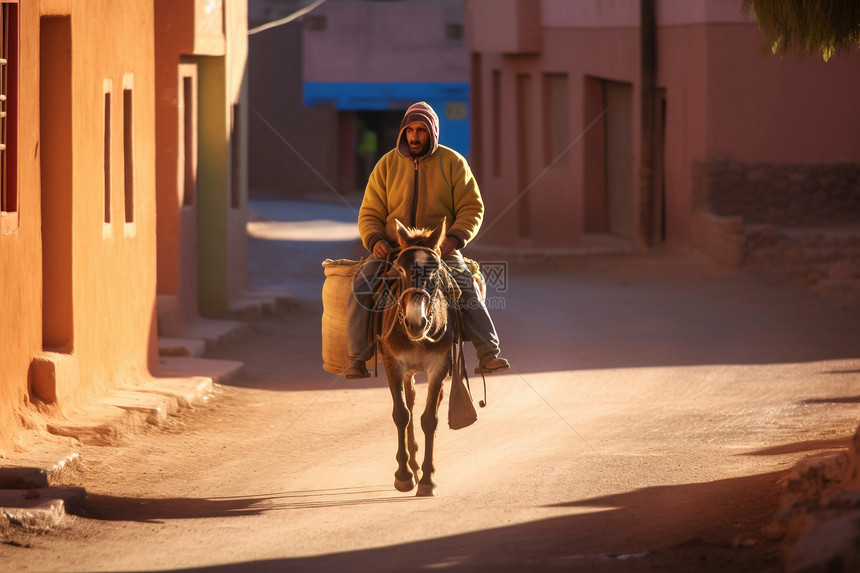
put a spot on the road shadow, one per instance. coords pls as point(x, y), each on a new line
point(819, 446)
point(684, 527)
point(103, 507)
point(833, 400)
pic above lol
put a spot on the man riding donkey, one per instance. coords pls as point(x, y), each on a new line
point(420, 183)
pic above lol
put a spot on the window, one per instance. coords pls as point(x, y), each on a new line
point(107, 150)
point(524, 181)
point(477, 106)
point(236, 159)
point(454, 31)
point(9, 109)
point(556, 120)
point(189, 142)
point(128, 152)
point(497, 123)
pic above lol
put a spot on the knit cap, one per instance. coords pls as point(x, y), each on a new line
point(422, 112)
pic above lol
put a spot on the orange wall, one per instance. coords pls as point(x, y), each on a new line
point(78, 291)
point(20, 285)
point(202, 246)
point(99, 276)
point(114, 264)
point(177, 198)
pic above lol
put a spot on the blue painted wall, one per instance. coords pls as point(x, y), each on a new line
point(449, 99)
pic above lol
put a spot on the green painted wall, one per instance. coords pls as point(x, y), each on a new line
point(213, 189)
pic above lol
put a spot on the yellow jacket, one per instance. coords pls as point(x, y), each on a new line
point(421, 192)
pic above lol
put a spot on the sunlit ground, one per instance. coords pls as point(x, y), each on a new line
point(315, 231)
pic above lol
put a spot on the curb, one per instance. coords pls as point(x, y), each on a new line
point(29, 471)
point(184, 383)
point(38, 510)
point(30, 501)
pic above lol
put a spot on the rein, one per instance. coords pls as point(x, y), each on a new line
point(458, 364)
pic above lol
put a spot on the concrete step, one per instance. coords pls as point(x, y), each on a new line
point(188, 391)
point(261, 302)
point(113, 417)
point(181, 347)
point(182, 383)
point(30, 499)
point(40, 468)
point(214, 332)
point(219, 371)
point(38, 510)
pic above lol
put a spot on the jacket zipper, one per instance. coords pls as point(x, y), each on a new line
point(415, 194)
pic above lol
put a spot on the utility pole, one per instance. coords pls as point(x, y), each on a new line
point(648, 47)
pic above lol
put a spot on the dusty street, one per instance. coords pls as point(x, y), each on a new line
point(653, 404)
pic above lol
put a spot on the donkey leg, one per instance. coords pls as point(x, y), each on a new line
point(429, 422)
point(404, 479)
point(412, 443)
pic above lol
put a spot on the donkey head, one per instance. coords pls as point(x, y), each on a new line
point(419, 264)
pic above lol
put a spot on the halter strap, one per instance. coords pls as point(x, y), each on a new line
point(419, 248)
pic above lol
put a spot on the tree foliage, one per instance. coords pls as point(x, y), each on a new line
point(822, 26)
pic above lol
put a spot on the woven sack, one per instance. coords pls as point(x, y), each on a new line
point(477, 276)
point(336, 291)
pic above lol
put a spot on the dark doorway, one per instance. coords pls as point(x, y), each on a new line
point(375, 135)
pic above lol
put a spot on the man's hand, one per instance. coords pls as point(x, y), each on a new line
point(449, 245)
point(381, 249)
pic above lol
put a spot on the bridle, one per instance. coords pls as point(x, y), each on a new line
point(433, 278)
point(441, 274)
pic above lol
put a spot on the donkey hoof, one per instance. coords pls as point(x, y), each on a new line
point(426, 490)
point(404, 485)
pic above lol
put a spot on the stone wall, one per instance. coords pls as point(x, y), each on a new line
point(779, 193)
point(819, 515)
point(800, 221)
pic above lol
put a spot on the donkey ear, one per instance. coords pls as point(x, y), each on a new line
point(438, 234)
point(402, 233)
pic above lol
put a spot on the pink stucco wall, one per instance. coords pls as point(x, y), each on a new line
point(763, 108)
point(385, 42)
point(723, 99)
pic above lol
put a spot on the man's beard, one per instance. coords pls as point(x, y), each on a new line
point(422, 149)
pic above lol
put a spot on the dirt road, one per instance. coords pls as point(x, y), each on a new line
point(653, 405)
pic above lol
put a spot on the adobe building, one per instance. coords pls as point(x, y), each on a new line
point(79, 244)
point(201, 105)
point(20, 225)
point(744, 142)
point(329, 88)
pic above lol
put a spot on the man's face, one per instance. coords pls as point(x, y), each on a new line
point(418, 138)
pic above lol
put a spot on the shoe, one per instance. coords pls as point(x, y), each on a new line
point(490, 364)
point(356, 370)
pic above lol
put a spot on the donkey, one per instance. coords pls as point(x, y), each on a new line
point(418, 335)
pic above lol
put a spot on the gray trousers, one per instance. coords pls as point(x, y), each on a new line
point(477, 323)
